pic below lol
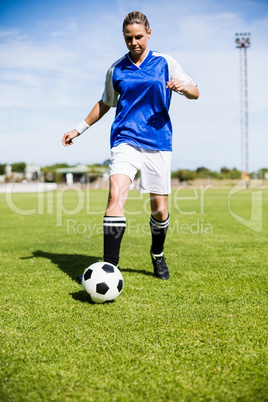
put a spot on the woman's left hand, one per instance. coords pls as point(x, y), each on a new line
point(190, 91)
point(175, 85)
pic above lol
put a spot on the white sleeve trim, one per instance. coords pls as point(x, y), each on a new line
point(110, 96)
point(176, 70)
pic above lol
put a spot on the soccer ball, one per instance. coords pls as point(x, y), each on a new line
point(102, 282)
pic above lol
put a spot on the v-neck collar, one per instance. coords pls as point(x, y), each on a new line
point(143, 63)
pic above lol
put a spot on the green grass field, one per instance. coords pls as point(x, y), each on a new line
point(200, 336)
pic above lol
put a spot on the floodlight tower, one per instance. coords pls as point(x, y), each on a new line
point(243, 42)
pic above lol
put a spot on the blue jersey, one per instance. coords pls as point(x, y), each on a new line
point(142, 100)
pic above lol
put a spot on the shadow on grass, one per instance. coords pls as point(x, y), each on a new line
point(82, 297)
point(75, 264)
point(72, 264)
point(137, 271)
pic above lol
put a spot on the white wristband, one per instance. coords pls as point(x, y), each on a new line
point(83, 126)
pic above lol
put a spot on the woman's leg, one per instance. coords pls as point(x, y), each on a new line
point(118, 192)
point(159, 222)
point(114, 221)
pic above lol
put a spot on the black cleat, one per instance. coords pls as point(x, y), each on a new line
point(160, 267)
point(79, 279)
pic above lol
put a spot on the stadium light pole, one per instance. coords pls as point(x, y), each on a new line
point(243, 42)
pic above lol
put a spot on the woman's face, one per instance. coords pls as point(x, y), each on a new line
point(136, 38)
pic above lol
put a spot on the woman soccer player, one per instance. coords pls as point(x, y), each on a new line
point(139, 85)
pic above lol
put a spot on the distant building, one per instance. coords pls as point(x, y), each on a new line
point(8, 170)
point(74, 174)
point(32, 172)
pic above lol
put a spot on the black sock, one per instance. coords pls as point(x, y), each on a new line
point(113, 231)
point(159, 231)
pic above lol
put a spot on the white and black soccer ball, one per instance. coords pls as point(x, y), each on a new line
point(102, 282)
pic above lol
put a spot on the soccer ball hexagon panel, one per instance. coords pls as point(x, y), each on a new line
point(102, 282)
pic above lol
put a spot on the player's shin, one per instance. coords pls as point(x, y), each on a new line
point(159, 231)
point(113, 231)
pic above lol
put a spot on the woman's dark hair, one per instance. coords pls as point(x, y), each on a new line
point(135, 17)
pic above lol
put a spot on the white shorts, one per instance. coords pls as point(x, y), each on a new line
point(154, 167)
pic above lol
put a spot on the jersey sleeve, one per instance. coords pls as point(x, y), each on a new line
point(176, 71)
point(110, 96)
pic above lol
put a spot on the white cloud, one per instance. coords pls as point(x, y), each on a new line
point(27, 54)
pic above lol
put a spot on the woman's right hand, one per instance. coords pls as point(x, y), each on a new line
point(68, 138)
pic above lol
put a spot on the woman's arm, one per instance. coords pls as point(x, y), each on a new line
point(190, 91)
point(98, 111)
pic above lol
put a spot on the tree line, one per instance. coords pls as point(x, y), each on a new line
point(180, 174)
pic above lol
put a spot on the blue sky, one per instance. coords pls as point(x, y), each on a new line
point(54, 56)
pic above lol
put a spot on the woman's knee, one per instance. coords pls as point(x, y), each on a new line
point(159, 207)
point(118, 193)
